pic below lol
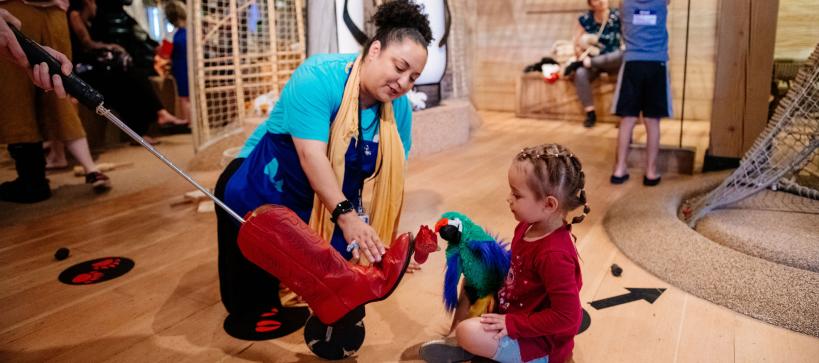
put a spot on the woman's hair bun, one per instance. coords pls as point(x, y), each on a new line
point(402, 14)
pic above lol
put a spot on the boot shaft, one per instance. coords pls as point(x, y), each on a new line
point(278, 241)
point(31, 185)
point(29, 160)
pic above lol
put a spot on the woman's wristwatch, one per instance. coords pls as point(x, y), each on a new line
point(344, 207)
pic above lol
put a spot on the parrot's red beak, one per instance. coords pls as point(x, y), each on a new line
point(426, 242)
point(441, 222)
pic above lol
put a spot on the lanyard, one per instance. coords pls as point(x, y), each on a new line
point(361, 153)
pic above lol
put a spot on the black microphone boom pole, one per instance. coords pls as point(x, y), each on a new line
point(89, 97)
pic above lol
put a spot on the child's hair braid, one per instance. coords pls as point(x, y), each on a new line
point(557, 172)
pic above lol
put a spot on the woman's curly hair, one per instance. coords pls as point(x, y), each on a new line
point(400, 19)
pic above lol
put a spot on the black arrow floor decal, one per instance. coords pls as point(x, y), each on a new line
point(634, 294)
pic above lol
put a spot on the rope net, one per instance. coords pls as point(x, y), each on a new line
point(784, 157)
point(241, 53)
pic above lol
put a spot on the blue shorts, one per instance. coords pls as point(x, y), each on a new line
point(509, 351)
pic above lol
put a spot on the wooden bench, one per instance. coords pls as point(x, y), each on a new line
point(536, 98)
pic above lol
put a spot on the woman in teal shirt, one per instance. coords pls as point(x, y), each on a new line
point(286, 160)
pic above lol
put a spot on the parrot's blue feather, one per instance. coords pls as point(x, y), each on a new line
point(493, 255)
point(451, 279)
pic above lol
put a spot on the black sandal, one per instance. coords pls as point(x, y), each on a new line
point(618, 179)
point(651, 182)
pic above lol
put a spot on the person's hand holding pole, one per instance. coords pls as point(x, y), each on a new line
point(10, 49)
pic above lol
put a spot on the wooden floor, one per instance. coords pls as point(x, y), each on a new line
point(168, 309)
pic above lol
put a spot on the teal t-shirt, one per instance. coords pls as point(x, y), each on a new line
point(311, 98)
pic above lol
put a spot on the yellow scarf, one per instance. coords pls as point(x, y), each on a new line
point(388, 190)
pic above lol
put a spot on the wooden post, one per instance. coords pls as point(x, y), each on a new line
point(746, 35)
point(760, 68)
point(199, 104)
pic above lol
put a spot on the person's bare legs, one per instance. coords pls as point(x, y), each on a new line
point(652, 146)
point(163, 117)
point(185, 103)
point(93, 175)
point(474, 339)
point(79, 148)
point(56, 155)
point(623, 143)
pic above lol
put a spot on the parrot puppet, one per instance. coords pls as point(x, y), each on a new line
point(481, 258)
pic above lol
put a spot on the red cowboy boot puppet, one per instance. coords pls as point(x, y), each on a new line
point(426, 242)
point(277, 240)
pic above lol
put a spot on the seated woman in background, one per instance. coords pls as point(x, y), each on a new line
point(106, 67)
point(597, 46)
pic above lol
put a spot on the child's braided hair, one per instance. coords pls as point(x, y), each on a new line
point(557, 172)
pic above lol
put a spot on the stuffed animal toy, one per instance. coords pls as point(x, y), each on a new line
point(480, 258)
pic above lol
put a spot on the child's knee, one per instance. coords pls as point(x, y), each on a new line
point(465, 331)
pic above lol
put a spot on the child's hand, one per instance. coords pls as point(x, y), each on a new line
point(495, 322)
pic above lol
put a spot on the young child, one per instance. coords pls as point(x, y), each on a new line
point(540, 301)
point(643, 87)
point(176, 51)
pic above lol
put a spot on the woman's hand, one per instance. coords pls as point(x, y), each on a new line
point(9, 47)
point(123, 55)
point(314, 162)
point(495, 322)
point(355, 230)
point(41, 77)
point(117, 48)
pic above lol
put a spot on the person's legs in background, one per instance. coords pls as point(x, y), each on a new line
point(148, 100)
point(583, 78)
point(143, 102)
point(55, 155)
point(623, 142)
point(657, 101)
point(123, 94)
point(592, 67)
point(163, 117)
point(79, 149)
point(179, 68)
point(609, 62)
point(185, 103)
point(59, 116)
point(18, 119)
point(652, 147)
point(628, 104)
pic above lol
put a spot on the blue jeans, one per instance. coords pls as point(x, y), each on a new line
point(509, 351)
